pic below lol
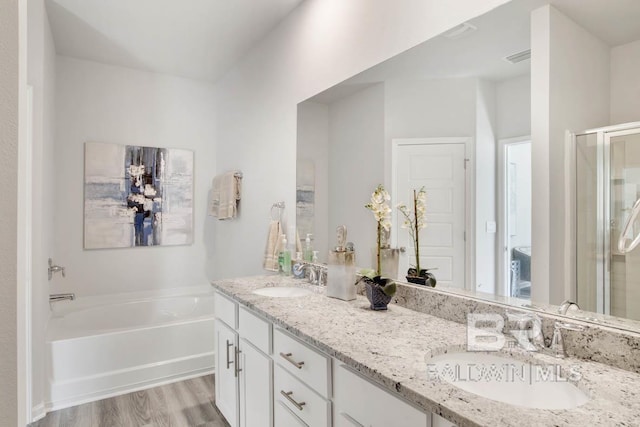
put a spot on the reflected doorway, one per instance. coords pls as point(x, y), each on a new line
point(515, 224)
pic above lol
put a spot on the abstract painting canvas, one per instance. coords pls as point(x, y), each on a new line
point(305, 197)
point(137, 196)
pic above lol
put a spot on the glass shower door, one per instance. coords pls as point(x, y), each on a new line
point(588, 231)
point(622, 292)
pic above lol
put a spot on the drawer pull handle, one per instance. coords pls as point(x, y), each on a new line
point(288, 394)
point(350, 419)
point(229, 362)
point(287, 357)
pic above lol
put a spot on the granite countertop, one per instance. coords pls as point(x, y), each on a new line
point(393, 348)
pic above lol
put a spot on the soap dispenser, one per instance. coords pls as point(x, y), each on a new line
point(286, 257)
point(341, 276)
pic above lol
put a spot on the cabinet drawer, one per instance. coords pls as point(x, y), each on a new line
point(255, 330)
point(314, 410)
point(309, 365)
point(226, 310)
point(364, 403)
point(285, 418)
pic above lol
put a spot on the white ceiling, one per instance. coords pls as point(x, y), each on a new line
point(198, 39)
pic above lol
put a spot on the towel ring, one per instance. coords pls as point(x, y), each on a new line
point(279, 206)
point(622, 240)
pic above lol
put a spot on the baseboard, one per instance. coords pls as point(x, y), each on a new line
point(38, 412)
point(88, 389)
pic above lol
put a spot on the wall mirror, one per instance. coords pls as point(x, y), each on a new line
point(535, 98)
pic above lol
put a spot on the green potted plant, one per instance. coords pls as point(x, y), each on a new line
point(379, 290)
point(414, 221)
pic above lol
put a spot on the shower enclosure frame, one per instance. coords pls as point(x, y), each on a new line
point(603, 209)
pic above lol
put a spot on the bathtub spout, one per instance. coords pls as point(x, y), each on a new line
point(61, 297)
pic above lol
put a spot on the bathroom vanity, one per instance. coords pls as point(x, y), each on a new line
point(287, 355)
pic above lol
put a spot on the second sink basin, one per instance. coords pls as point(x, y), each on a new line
point(507, 380)
point(282, 292)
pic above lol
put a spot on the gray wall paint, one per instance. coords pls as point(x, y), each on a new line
point(8, 208)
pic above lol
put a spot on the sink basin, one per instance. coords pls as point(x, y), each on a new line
point(507, 380)
point(282, 292)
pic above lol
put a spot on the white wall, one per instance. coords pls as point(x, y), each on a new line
point(320, 44)
point(485, 183)
point(513, 107)
point(41, 76)
point(313, 146)
point(9, 72)
point(625, 83)
point(356, 167)
point(430, 108)
point(570, 91)
point(96, 102)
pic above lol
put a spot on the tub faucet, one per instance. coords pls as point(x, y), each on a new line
point(61, 297)
point(54, 269)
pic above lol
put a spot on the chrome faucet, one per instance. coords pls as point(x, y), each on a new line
point(61, 297)
point(557, 342)
point(566, 305)
point(317, 273)
point(529, 339)
point(533, 339)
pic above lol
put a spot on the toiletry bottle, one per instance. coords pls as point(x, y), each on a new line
point(286, 258)
point(341, 276)
point(308, 249)
point(281, 249)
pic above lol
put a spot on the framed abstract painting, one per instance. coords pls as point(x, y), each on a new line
point(137, 196)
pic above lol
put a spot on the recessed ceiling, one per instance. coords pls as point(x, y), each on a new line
point(198, 39)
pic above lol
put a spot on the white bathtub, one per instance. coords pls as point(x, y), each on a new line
point(104, 346)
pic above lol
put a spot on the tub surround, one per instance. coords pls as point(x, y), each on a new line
point(393, 348)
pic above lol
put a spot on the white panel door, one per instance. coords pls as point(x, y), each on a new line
point(256, 399)
point(226, 379)
point(440, 168)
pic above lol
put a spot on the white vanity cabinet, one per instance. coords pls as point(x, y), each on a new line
point(226, 380)
point(244, 369)
point(358, 402)
point(266, 377)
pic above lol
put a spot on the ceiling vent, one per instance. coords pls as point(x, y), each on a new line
point(519, 57)
point(460, 31)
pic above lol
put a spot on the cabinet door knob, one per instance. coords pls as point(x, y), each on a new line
point(287, 395)
point(287, 357)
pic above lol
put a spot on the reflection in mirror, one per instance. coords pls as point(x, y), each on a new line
point(508, 210)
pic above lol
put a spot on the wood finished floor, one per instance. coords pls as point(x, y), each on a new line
point(183, 404)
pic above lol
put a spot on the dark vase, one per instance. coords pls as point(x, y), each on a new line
point(376, 296)
point(424, 278)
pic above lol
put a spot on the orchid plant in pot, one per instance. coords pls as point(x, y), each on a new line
point(414, 221)
point(379, 290)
